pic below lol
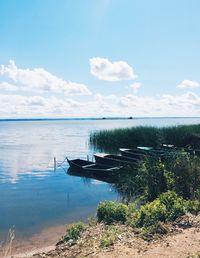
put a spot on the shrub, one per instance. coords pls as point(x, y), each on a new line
point(154, 172)
point(192, 206)
point(159, 228)
point(112, 212)
point(73, 231)
point(174, 204)
point(185, 170)
point(168, 206)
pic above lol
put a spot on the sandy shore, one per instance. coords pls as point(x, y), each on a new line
point(42, 241)
point(182, 241)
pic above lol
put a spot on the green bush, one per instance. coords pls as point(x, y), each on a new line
point(73, 231)
point(167, 207)
point(112, 212)
point(192, 206)
point(185, 175)
point(175, 205)
point(159, 228)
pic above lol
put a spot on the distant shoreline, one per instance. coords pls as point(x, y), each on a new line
point(91, 118)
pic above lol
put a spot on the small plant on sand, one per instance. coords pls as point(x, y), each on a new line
point(154, 231)
point(112, 212)
point(74, 231)
point(92, 221)
point(110, 236)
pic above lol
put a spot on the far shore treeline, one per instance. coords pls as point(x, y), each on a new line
point(179, 136)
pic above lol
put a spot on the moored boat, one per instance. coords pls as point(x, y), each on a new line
point(114, 160)
point(133, 153)
point(89, 166)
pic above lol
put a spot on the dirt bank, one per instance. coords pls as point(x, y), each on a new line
point(183, 240)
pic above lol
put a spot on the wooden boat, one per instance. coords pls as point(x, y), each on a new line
point(142, 152)
point(158, 151)
point(114, 160)
point(133, 153)
point(89, 166)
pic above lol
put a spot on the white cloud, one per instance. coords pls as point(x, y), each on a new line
point(8, 87)
point(16, 106)
point(39, 79)
point(187, 104)
point(187, 84)
point(105, 70)
point(135, 86)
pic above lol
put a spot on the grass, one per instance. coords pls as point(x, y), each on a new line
point(110, 236)
point(112, 140)
point(8, 245)
point(73, 232)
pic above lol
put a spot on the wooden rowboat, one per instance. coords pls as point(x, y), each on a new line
point(89, 166)
point(114, 160)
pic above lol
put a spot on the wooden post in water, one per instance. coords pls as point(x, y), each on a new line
point(55, 164)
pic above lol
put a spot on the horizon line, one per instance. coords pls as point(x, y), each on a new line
point(96, 118)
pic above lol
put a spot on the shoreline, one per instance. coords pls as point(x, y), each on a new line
point(42, 241)
point(182, 241)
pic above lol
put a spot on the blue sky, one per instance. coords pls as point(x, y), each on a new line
point(91, 58)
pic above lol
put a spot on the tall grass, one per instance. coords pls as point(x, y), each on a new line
point(9, 242)
point(112, 140)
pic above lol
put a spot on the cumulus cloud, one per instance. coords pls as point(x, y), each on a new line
point(8, 86)
point(135, 86)
point(188, 84)
point(105, 70)
point(187, 104)
point(39, 79)
point(15, 106)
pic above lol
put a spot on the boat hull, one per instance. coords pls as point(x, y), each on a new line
point(114, 160)
point(90, 167)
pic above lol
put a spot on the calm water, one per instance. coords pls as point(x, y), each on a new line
point(32, 195)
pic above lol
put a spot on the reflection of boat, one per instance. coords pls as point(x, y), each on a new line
point(89, 166)
point(114, 160)
point(97, 176)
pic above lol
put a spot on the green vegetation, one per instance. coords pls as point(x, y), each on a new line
point(110, 236)
point(179, 173)
point(167, 207)
point(112, 140)
point(112, 212)
point(150, 217)
point(74, 231)
point(156, 191)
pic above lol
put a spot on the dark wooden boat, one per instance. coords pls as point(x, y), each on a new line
point(89, 166)
point(133, 153)
point(114, 160)
point(154, 151)
point(142, 152)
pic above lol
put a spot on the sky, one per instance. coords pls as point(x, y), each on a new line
point(99, 58)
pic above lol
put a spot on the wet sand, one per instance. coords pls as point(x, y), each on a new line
point(42, 241)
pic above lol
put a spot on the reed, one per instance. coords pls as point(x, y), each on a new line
point(112, 140)
point(9, 242)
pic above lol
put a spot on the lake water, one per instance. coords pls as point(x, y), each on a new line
point(32, 195)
